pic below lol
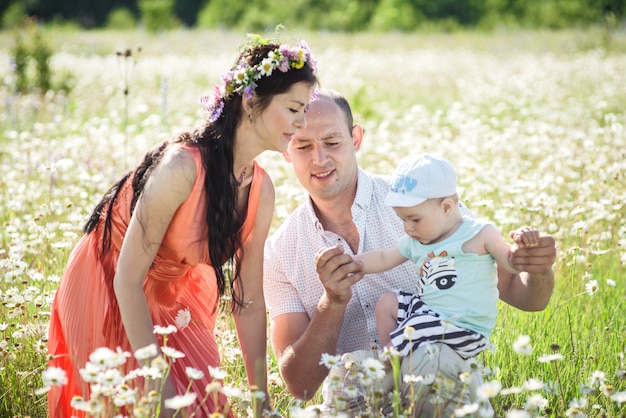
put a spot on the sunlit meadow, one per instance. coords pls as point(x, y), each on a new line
point(534, 122)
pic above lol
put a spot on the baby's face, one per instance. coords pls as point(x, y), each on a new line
point(424, 222)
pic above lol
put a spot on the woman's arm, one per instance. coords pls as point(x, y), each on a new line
point(251, 320)
point(166, 189)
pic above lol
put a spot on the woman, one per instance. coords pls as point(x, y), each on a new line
point(156, 245)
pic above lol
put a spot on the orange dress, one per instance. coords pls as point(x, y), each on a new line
point(85, 314)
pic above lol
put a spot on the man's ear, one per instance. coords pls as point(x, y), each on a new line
point(357, 136)
point(286, 156)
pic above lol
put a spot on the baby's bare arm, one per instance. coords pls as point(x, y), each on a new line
point(497, 247)
point(380, 260)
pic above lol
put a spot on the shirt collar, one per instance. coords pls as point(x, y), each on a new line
point(364, 190)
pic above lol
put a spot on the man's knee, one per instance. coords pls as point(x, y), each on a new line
point(436, 381)
point(433, 359)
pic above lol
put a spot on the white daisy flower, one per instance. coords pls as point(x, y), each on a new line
point(578, 403)
point(213, 387)
point(410, 333)
point(533, 384)
point(180, 401)
point(146, 352)
point(374, 368)
point(103, 357)
point(426, 379)
point(591, 287)
point(548, 358)
point(465, 377)
point(193, 373)
point(365, 379)
point(489, 390)
point(151, 373)
point(217, 373)
point(466, 410)
point(240, 76)
point(522, 345)
point(619, 397)
point(125, 396)
point(159, 363)
point(513, 390)
point(329, 360)
point(536, 402)
point(596, 378)
point(274, 379)
point(266, 67)
point(90, 372)
point(54, 376)
point(351, 391)
point(172, 353)
point(233, 392)
point(183, 318)
point(164, 330)
point(575, 413)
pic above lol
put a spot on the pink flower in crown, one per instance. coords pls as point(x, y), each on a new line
point(283, 64)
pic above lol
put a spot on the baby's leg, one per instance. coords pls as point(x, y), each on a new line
point(386, 317)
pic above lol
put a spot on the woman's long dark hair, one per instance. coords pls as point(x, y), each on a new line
point(216, 141)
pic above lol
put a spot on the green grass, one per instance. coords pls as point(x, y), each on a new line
point(535, 123)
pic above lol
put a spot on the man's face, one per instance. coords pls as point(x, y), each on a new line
point(323, 153)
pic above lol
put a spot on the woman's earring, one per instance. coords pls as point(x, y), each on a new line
point(250, 117)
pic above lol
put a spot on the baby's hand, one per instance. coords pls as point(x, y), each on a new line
point(525, 237)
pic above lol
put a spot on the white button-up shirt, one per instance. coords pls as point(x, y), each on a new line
point(291, 283)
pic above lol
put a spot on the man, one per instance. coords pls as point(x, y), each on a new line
point(320, 302)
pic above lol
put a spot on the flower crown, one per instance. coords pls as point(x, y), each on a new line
point(242, 79)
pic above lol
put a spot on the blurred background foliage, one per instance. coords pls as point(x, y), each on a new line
point(328, 15)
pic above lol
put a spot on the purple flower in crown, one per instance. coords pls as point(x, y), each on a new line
point(248, 91)
point(218, 107)
point(214, 104)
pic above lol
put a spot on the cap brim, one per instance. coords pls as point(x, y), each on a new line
point(402, 200)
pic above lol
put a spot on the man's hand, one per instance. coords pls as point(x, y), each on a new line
point(534, 259)
point(337, 273)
